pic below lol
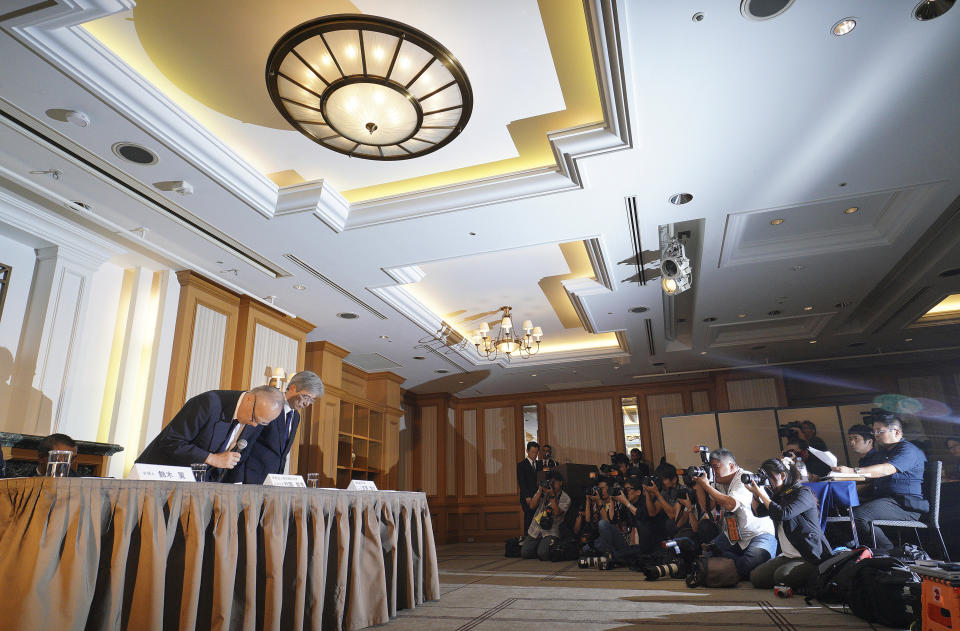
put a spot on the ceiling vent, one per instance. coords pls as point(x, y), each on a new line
point(567, 385)
point(764, 9)
point(371, 362)
point(134, 153)
point(332, 285)
point(930, 9)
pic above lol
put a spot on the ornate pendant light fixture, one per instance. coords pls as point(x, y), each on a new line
point(524, 343)
point(369, 87)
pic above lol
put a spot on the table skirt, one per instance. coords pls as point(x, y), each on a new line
point(90, 554)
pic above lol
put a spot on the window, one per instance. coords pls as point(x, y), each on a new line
point(631, 423)
point(531, 424)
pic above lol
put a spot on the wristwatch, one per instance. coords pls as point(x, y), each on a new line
point(856, 470)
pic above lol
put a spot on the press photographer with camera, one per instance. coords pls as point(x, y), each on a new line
point(796, 519)
point(550, 503)
point(608, 517)
point(745, 538)
point(897, 480)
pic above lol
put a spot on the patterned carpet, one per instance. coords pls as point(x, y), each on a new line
point(483, 591)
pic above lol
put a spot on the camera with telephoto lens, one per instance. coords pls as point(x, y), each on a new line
point(677, 569)
point(602, 562)
point(759, 478)
point(790, 430)
point(683, 551)
point(692, 472)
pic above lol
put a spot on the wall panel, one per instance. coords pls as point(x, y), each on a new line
point(206, 351)
point(500, 453)
point(743, 394)
point(666, 404)
point(272, 348)
point(428, 450)
point(450, 453)
point(700, 400)
point(471, 461)
point(582, 431)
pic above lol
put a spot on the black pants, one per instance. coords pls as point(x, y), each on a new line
point(880, 508)
point(527, 515)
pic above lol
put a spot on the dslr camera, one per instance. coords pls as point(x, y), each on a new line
point(790, 430)
point(759, 478)
point(683, 551)
point(593, 491)
point(546, 484)
point(655, 480)
point(546, 522)
point(616, 490)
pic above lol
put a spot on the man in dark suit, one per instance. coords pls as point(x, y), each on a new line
point(269, 453)
point(208, 427)
point(58, 442)
point(527, 481)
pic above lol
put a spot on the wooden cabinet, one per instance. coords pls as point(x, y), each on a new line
point(359, 444)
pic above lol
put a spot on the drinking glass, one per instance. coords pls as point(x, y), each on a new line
point(199, 471)
point(313, 480)
point(58, 463)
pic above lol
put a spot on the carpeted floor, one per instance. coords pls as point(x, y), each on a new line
point(483, 591)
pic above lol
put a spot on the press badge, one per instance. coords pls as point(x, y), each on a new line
point(733, 531)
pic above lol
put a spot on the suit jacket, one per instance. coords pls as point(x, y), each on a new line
point(269, 453)
point(527, 477)
point(199, 429)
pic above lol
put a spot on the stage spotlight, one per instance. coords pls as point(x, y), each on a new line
point(675, 270)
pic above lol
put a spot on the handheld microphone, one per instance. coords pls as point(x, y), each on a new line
point(240, 446)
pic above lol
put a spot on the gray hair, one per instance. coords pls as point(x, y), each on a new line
point(723, 455)
point(272, 394)
point(309, 381)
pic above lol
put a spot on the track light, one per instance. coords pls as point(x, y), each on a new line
point(675, 270)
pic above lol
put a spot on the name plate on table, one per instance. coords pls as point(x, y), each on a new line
point(160, 473)
point(362, 485)
point(276, 479)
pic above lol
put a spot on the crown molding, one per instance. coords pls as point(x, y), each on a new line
point(54, 33)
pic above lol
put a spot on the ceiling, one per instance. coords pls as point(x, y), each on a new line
point(582, 110)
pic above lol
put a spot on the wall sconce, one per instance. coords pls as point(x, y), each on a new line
point(276, 377)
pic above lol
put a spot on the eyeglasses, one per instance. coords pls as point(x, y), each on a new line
point(884, 431)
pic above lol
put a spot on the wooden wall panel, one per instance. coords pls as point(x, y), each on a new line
point(582, 431)
point(500, 450)
point(700, 399)
point(471, 461)
point(206, 351)
point(429, 449)
point(450, 453)
point(761, 392)
point(272, 348)
point(666, 404)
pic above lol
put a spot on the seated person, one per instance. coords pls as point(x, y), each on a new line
point(860, 439)
point(641, 539)
point(818, 463)
point(897, 481)
point(604, 514)
point(796, 518)
point(951, 472)
point(210, 425)
point(662, 505)
point(56, 442)
point(549, 506)
point(744, 537)
point(808, 432)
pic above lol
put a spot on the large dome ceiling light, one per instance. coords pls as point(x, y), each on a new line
point(369, 87)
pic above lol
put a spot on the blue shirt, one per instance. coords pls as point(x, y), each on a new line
point(907, 483)
point(871, 457)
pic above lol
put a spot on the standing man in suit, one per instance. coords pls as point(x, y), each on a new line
point(269, 453)
point(527, 481)
point(209, 426)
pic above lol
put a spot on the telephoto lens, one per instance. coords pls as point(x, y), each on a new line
point(673, 570)
point(605, 563)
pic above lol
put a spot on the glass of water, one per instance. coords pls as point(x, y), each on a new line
point(58, 463)
point(199, 471)
point(313, 480)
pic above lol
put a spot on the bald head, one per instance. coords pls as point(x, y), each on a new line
point(260, 405)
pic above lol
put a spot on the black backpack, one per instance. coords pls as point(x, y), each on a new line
point(883, 590)
point(563, 549)
point(832, 581)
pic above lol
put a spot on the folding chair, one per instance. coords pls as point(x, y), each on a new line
point(932, 479)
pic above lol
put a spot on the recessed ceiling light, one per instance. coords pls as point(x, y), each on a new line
point(813, 341)
point(844, 26)
point(441, 371)
point(710, 319)
point(773, 312)
point(703, 352)
point(299, 287)
point(616, 367)
point(346, 315)
point(698, 16)
point(134, 153)
point(680, 198)
point(655, 364)
point(851, 210)
point(842, 184)
point(759, 347)
point(808, 308)
point(80, 119)
point(384, 337)
point(533, 374)
point(908, 339)
point(459, 382)
point(776, 222)
point(798, 268)
point(420, 357)
point(763, 9)
point(930, 9)
point(472, 234)
point(638, 309)
point(741, 315)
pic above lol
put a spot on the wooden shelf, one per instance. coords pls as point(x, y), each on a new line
point(359, 444)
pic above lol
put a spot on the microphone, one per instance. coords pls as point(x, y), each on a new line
point(240, 446)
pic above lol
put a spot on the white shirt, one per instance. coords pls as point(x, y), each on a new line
point(532, 463)
point(786, 548)
point(235, 434)
point(748, 524)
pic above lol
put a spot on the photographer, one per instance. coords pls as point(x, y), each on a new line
point(662, 503)
point(744, 537)
point(808, 432)
point(608, 518)
point(549, 505)
point(818, 463)
point(796, 518)
point(897, 480)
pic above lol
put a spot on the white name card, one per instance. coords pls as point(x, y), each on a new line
point(160, 473)
point(276, 479)
point(362, 485)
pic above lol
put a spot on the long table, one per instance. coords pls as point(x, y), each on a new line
point(89, 554)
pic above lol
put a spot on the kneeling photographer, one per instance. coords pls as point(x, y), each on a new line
point(604, 515)
point(550, 503)
point(793, 508)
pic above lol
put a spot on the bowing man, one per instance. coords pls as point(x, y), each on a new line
point(269, 453)
point(209, 426)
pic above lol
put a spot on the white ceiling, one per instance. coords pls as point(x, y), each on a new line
point(756, 119)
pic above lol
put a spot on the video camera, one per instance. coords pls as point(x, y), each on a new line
point(790, 430)
point(877, 414)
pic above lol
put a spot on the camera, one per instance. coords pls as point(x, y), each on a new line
point(546, 485)
point(783, 591)
point(593, 491)
point(608, 469)
point(759, 478)
point(684, 493)
point(790, 430)
point(655, 480)
point(676, 559)
point(546, 522)
point(692, 472)
point(616, 490)
point(677, 569)
point(601, 562)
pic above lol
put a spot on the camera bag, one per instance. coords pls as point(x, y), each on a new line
point(882, 590)
point(713, 572)
point(563, 549)
point(512, 547)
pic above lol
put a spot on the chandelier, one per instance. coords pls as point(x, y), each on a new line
point(369, 87)
point(523, 343)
